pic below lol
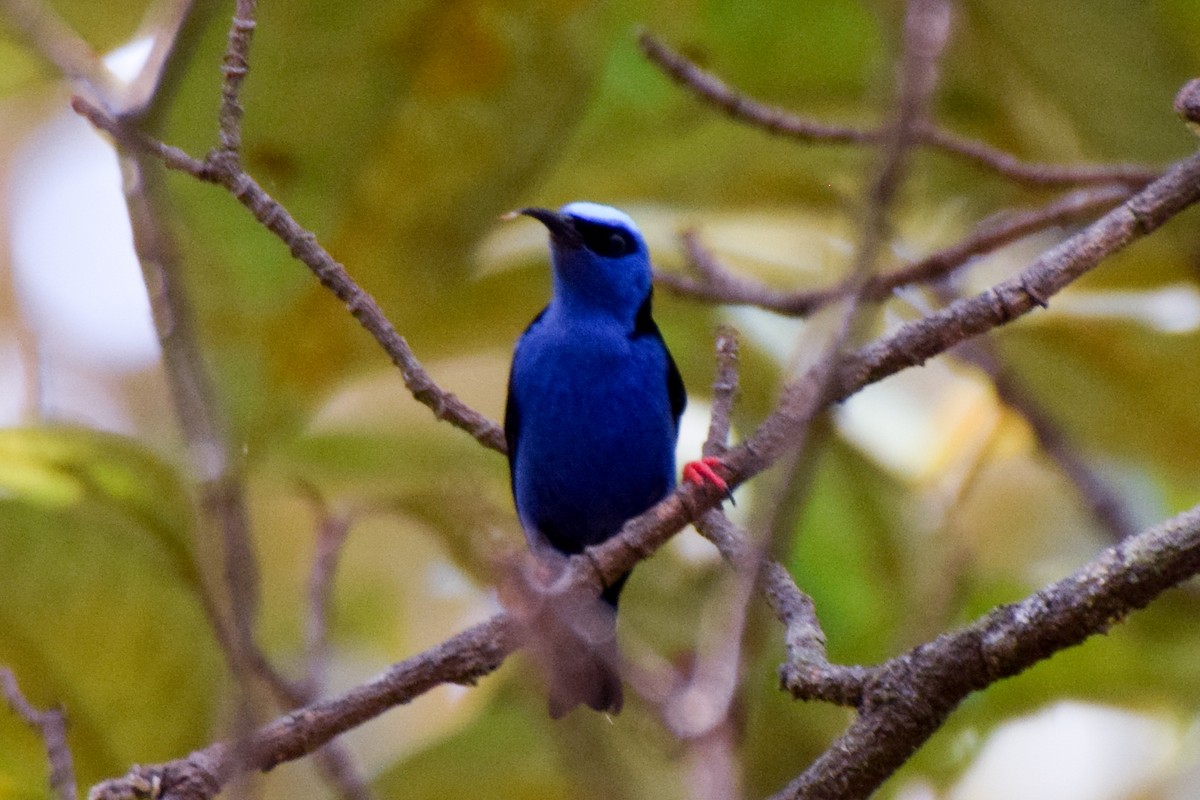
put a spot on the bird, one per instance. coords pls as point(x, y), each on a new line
point(591, 423)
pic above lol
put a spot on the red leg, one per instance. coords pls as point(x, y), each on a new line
point(702, 472)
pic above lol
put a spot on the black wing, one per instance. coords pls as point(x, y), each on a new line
point(644, 325)
point(675, 389)
point(512, 424)
point(512, 409)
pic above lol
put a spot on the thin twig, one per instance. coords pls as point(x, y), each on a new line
point(725, 389)
point(204, 428)
point(1032, 288)
point(998, 231)
point(926, 32)
point(240, 561)
point(55, 40)
point(711, 89)
point(341, 773)
point(1101, 499)
point(206, 432)
point(698, 710)
point(711, 767)
point(807, 672)
point(704, 705)
point(927, 26)
point(151, 88)
point(235, 65)
point(1033, 174)
point(222, 498)
point(332, 530)
point(52, 726)
point(1187, 104)
point(333, 275)
point(718, 284)
point(334, 760)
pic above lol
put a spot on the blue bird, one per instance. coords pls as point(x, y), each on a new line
point(594, 402)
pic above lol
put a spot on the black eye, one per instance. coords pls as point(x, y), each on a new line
point(604, 240)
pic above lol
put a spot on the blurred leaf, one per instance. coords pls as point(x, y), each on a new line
point(1145, 663)
point(471, 764)
point(1103, 73)
point(782, 735)
point(58, 469)
point(646, 140)
point(18, 68)
point(852, 519)
point(398, 135)
point(97, 602)
point(1117, 389)
point(104, 26)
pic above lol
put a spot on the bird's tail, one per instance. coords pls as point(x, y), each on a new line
point(585, 672)
point(573, 639)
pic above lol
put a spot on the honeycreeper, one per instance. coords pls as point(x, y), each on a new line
point(591, 422)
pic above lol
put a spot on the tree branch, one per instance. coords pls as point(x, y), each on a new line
point(304, 247)
point(1187, 104)
point(718, 284)
point(205, 431)
point(807, 672)
point(912, 695)
point(52, 726)
point(55, 40)
point(926, 32)
point(235, 65)
point(1102, 501)
point(1032, 288)
point(333, 529)
point(725, 390)
point(708, 87)
point(461, 659)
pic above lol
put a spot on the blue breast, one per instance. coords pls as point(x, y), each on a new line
point(596, 427)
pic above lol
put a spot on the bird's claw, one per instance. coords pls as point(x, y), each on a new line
point(702, 472)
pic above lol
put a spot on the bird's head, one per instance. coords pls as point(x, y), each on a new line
point(600, 258)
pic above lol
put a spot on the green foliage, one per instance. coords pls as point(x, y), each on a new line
point(468, 764)
point(98, 604)
point(853, 519)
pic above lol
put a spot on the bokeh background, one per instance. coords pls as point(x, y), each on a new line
point(398, 133)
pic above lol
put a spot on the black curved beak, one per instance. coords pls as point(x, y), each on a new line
point(562, 230)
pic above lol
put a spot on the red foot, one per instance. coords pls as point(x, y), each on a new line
point(701, 472)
